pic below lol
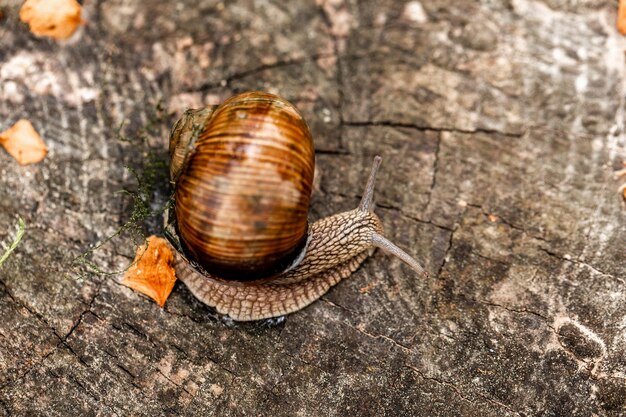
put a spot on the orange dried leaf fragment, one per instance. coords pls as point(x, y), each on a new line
point(23, 143)
point(57, 19)
point(152, 273)
point(621, 17)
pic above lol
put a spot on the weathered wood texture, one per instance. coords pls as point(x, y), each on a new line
point(500, 124)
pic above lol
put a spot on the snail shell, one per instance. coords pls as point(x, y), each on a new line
point(243, 173)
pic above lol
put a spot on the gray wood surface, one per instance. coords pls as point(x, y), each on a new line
point(500, 124)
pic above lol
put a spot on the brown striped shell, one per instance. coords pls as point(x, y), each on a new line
point(243, 184)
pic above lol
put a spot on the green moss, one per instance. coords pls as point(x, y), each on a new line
point(21, 228)
point(148, 203)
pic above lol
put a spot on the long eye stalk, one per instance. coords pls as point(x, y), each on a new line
point(367, 201)
point(387, 246)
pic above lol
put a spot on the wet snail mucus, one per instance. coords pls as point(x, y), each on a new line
point(243, 174)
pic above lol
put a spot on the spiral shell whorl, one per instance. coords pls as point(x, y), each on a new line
point(243, 194)
point(183, 136)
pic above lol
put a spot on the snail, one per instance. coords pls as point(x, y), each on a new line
point(243, 174)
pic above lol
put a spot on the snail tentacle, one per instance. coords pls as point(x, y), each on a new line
point(367, 201)
point(378, 240)
point(390, 248)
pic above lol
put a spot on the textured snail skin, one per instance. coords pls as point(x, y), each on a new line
point(338, 245)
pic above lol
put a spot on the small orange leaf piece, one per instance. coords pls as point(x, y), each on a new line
point(23, 143)
point(492, 218)
point(621, 17)
point(57, 19)
point(152, 273)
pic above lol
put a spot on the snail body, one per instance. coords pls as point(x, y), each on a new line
point(243, 175)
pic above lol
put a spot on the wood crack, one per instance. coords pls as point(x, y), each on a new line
point(424, 128)
point(433, 182)
point(261, 68)
point(460, 393)
point(581, 263)
point(62, 338)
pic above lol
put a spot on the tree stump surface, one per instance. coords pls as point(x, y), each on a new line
point(500, 124)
